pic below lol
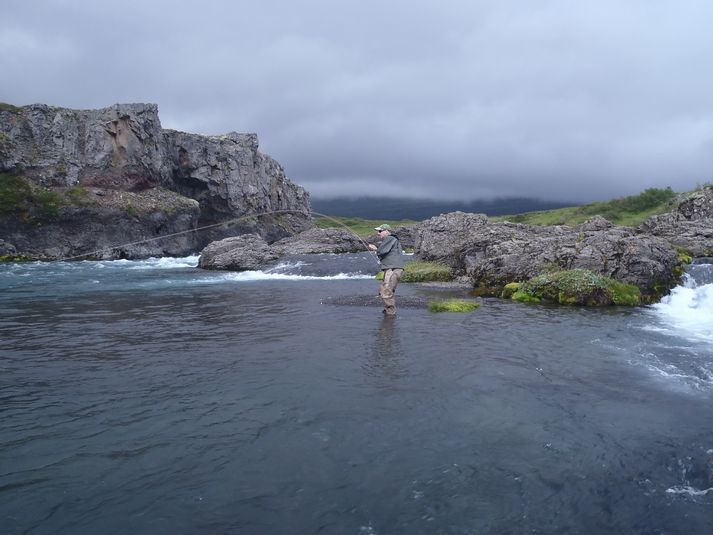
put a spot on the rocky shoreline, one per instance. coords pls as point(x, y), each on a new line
point(111, 183)
point(490, 255)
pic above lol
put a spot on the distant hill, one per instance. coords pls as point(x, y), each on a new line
point(419, 209)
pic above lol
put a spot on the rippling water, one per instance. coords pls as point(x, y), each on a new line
point(153, 397)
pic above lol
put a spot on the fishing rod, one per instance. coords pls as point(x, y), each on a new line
point(225, 224)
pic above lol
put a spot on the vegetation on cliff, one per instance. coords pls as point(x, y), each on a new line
point(29, 203)
point(574, 287)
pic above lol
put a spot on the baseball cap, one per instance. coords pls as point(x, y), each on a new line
point(383, 227)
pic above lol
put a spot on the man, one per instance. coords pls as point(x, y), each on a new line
point(392, 264)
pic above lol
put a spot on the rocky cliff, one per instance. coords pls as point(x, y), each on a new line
point(76, 182)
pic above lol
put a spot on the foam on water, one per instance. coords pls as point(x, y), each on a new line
point(688, 490)
point(246, 276)
point(687, 311)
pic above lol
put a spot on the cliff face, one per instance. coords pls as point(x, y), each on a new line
point(77, 181)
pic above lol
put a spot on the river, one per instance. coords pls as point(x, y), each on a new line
point(154, 397)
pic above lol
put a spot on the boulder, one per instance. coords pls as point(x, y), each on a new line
point(249, 252)
point(318, 240)
point(239, 253)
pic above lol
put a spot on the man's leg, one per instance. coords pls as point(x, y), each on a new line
point(388, 288)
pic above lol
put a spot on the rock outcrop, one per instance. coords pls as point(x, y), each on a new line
point(495, 254)
point(251, 252)
point(689, 225)
point(78, 181)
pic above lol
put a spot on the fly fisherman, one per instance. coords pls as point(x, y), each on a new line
point(392, 264)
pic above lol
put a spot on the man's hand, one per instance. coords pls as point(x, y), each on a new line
point(372, 247)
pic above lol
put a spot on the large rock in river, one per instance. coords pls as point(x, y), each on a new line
point(252, 252)
point(239, 253)
point(494, 254)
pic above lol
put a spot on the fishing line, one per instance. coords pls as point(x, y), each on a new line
point(225, 224)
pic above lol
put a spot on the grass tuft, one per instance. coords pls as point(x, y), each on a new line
point(453, 305)
point(422, 271)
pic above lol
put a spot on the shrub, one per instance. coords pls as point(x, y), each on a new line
point(78, 195)
point(453, 305)
point(31, 203)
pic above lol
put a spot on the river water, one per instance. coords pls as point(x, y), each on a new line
point(153, 397)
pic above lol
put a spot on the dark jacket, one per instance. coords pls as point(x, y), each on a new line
point(390, 254)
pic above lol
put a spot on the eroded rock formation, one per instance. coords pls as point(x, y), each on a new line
point(78, 181)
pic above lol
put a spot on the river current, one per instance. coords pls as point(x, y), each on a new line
point(153, 397)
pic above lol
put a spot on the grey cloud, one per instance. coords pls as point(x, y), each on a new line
point(555, 99)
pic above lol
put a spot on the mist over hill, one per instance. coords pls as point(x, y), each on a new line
point(419, 209)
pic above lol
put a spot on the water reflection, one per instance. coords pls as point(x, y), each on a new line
point(387, 359)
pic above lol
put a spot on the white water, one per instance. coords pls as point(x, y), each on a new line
point(687, 311)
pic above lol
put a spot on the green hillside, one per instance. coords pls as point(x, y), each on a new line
point(629, 211)
point(361, 227)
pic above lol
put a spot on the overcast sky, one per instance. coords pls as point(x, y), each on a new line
point(562, 100)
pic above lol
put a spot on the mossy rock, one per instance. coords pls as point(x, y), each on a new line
point(510, 289)
point(422, 271)
point(524, 297)
point(453, 305)
point(15, 258)
point(578, 287)
point(684, 256)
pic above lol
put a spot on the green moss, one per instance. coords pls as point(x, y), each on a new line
point(131, 211)
point(14, 195)
point(78, 195)
point(525, 297)
point(453, 305)
point(4, 106)
point(421, 271)
point(578, 287)
point(509, 290)
point(623, 294)
point(14, 258)
point(684, 255)
point(46, 203)
point(30, 203)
